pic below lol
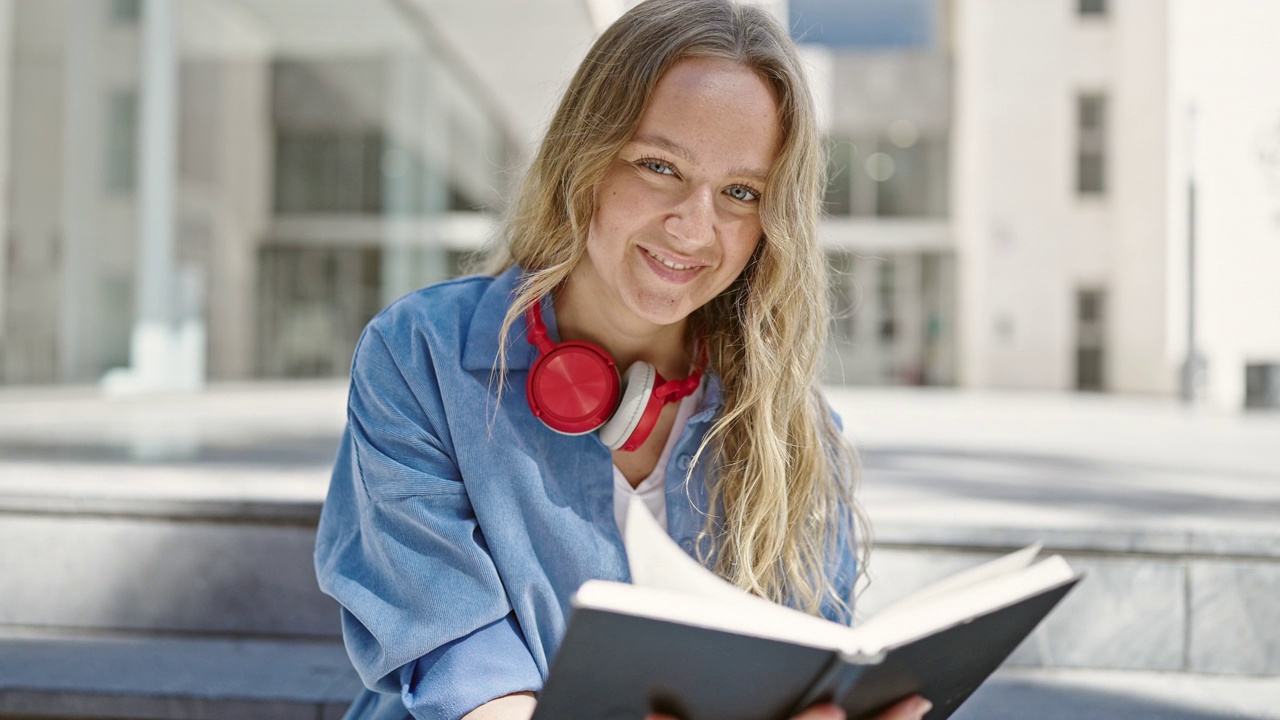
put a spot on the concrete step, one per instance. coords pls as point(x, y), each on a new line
point(111, 675)
point(196, 515)
point(64, 676)
point(1062, 694)
point(147, 551)
point(1172, 513)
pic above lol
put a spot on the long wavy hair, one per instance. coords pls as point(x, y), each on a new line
point(783, 478)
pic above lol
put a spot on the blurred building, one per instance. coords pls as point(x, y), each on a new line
point(882, 74)
point(229, 189)
point(1012, 192)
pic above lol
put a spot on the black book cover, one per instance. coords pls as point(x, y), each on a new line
point(619, 666)
point(945, 667)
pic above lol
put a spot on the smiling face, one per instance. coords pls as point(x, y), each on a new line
point(677, 214)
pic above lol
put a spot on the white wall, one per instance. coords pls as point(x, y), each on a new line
point(1137, 255)
point(1012, 192)
point(1226, 60)
point(1028, 241)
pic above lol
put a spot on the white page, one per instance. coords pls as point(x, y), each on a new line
point(772, 622)
point(943, 611)
point(658, 562)
point(994, 568)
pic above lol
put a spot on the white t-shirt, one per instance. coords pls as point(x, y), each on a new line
point(652, 490)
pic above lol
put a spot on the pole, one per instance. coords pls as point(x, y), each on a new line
point(1191, 366)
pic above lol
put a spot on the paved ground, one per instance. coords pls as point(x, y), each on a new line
point(1139, 473)
point(1066, 462)
point(1021, 694)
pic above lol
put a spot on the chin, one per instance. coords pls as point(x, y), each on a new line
point(661, 308)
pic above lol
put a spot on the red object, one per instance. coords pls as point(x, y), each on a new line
point(574, 386)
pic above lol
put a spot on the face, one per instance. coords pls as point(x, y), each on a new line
point(677, 214)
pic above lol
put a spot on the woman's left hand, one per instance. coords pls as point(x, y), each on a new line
point(912, 708)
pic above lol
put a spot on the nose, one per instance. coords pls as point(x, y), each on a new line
point(693, 219)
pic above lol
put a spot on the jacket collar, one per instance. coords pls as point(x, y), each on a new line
point(480, 353)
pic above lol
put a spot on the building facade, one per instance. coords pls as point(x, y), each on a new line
point(229, 189)
point(305, 166)
point(1080, 127)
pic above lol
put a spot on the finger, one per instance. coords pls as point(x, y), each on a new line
point(656, 716)
point(912, 708)
point(822, 712)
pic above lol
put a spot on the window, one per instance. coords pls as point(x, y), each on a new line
point(1262, 385)
point(1090, 340)
point(333, 172)
point(122, 142)
point(896, 174)
point(1092, 8)
point(864, 24)
point(838, 199)
point(1091, 148)
point(886, 295)
point(126, 11)
point(841, 294)
point(916, 187)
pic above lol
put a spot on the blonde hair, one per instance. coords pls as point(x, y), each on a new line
point(782, 489)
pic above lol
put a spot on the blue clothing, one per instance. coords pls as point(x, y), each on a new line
point(457, 525)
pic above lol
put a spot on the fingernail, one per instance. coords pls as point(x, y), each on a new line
point(923, 706)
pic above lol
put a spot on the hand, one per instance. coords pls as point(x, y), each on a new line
point(912, 708)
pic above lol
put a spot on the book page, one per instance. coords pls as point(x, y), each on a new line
point(940, 611)
point(1000, 566)
point(658, 562)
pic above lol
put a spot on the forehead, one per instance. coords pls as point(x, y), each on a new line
point(720, 112)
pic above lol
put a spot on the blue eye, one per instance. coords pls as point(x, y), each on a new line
point(742, 193)
point(658, 166)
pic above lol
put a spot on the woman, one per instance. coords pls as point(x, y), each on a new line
point(667, 226)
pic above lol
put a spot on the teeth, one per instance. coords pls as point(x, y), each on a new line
point(668, 263)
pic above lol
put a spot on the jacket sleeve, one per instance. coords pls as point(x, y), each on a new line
point(424, 612)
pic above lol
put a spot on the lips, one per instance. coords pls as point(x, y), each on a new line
point(668, 263)
point(671, 261)
point(670, 269)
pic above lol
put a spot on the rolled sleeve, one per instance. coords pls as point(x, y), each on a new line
point(489, 663)
point(424, 612)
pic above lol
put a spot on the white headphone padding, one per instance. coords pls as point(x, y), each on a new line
point(637, 387)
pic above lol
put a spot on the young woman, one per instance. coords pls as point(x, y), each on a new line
point(665, 230)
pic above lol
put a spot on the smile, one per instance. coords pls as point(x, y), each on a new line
point(668, 263)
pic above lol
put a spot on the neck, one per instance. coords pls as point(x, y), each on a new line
point(626, 337)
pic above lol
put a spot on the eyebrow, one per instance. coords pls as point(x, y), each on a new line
point(676, 148)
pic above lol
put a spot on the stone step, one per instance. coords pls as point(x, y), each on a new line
point(1063, 694)
point(197, 514)
point(162, 562)
point(64, 676)
point(1211, 614)
point(111, 675)
point(222, 561)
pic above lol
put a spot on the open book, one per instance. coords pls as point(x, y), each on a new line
point(680, 640)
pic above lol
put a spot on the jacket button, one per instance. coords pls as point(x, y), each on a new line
point(684, 461)
point(687, 544)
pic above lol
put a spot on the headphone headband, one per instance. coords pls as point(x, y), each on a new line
point(538, 336)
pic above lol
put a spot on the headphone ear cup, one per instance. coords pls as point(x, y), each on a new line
point(637, 389)
point(574, 388)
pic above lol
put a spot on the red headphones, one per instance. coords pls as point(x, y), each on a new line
point(574, 388)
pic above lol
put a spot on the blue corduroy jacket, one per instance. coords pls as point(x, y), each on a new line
point(457, 525)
